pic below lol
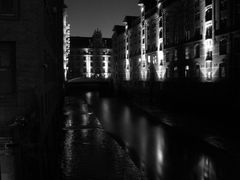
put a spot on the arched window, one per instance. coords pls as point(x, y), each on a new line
point(208, 15)
point(197, 51)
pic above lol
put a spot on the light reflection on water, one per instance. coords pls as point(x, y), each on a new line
point(139, 136)
point(66, 163)
point(153, 148)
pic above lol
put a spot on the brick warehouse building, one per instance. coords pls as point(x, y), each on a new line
point(190, 39)
point(180, 50)
point(31, 81)
point(90, 57)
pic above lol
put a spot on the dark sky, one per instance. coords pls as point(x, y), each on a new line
point(87, 15)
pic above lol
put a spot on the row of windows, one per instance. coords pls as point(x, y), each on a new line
point(8, 8)
point(222, 51)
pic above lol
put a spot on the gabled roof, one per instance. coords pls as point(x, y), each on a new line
point(86, 42)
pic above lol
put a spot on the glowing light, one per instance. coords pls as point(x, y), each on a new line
point(106, 75)
point(66, 44)
point(208, 45)
point(88, 66)
point(206, 168)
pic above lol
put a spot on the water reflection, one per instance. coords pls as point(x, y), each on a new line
point(160, 151)
point(144, 141)
point(68, 153)
point(206, 168)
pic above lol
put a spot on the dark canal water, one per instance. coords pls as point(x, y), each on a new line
point(108, 138)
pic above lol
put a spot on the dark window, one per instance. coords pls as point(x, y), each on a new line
point(197, 51)
point(208, 2)
point(222, 70)
point(84, 57)
point(208, 15)
point(197, 16)
point(209, 56)
point(223, 23)
point(160, 34)
point(237, 45)
point(223, 47)
point(7, 68)
point(143, 32)
point(160, 12)
point(209, 32)
point(223, 4)
point(167, 57)
point(196, 4)
point(160, 23)
point(161, 47)
point(197, 33)
point(7, 7)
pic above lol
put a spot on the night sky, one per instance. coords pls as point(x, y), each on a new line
point(87, 15)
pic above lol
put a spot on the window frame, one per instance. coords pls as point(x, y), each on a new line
point(12, 67)
point(11, 15)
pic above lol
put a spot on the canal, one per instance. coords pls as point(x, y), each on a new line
point(110, 138)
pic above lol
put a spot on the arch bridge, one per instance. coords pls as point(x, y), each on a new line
point(78, 85)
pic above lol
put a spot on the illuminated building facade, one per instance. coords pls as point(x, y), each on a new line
point(66, 44)
point(195, 40)
point(90, 57)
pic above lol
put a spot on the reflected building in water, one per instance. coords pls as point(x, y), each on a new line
point(90, 57)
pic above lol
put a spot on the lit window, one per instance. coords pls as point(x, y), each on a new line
point(175, 55)
point(7, 68)
point(187, 53)
point(209, 32)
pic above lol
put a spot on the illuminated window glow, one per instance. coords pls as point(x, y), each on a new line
point(88, 66)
